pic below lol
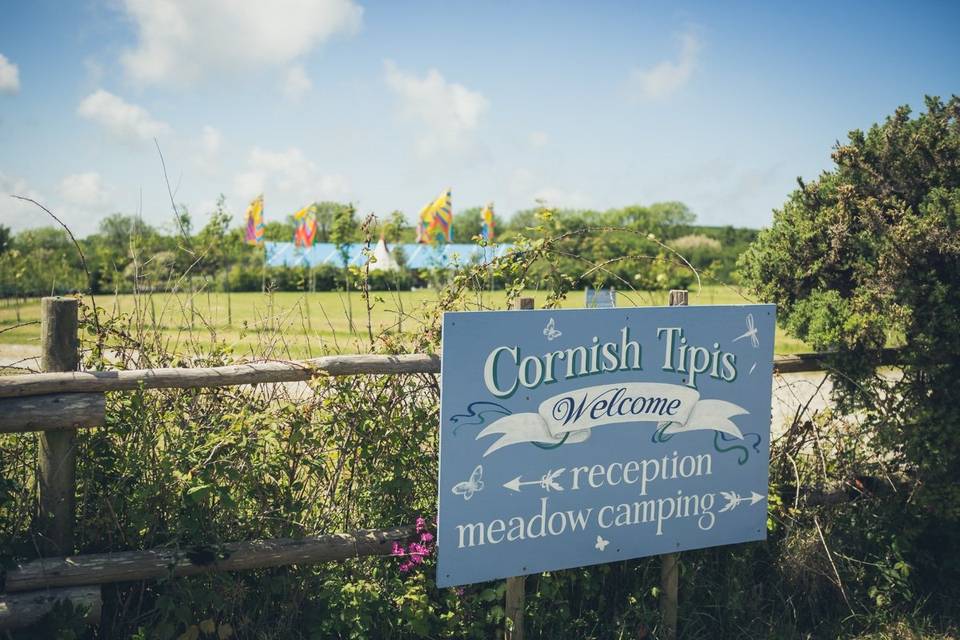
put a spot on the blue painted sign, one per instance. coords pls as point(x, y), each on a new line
point(600, 298)
point(576, 437)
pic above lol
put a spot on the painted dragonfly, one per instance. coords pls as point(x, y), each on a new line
point(751, 332)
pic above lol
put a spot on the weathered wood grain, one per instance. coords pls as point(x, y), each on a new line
point(23, 609)
point(515, 596)
point(52, 412)
point(125, 566)
point(250, 373)
point(669, 562)
point(803, 362)
point(57, 453)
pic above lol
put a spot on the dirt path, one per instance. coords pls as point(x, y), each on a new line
point(20, 355)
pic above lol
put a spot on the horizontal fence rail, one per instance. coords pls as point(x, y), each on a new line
point(31, 384)
point(52, 412)
point(179, 378)
point(24, 609)
point(809, 362)
point(153, 564)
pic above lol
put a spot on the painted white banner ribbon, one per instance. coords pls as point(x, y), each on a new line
point(568, 417)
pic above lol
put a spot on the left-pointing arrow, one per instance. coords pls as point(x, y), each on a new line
point(548, 481)
point(514, 485)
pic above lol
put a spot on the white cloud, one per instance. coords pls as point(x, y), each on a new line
point(179, 41)
point(207, 147)
point(520, 182)
point(249, 184)
point(124, 120)
point(562, 198)
point(80, 217)
point(448, 112)
point(538, 139)
point(84, 189)
point(525, 187)
point(95, 71)
point(289, 173)
point(666, 77)
point(210, 140)
point(15, 213)
point(296, 84)
point(9, 76)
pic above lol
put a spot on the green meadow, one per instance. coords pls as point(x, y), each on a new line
point(297, 324)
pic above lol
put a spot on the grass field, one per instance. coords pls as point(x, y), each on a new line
point(294, 324)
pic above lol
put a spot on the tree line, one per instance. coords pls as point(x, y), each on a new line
point(646, 247)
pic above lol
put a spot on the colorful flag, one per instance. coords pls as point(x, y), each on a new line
point(299, 216)
point(306, 231)
point(254, 232)
point(436, 220)
point(486, 224)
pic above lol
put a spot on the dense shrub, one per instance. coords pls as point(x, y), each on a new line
point(865, 257)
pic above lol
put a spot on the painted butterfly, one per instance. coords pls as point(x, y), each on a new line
point(471, 486)
point(550, 331)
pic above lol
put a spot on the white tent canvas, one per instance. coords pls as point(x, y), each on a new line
point(384, 261)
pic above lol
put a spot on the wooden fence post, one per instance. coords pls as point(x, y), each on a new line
point(669, 571)
point(58, 455)
point(515, 598)
point(516, 586)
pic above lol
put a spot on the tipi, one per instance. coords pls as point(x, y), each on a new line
point(384, 261)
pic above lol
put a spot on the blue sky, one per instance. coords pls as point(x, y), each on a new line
point(603, 104)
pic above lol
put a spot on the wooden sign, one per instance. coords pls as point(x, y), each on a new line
point(577, 437)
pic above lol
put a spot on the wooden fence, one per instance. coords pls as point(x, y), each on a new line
point(61, 400)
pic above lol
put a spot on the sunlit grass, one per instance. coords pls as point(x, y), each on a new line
point(308, 324)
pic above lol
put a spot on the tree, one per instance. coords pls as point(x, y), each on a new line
point(521, 222)
point(469, 223)
point(395, 227)
point(660, 218)
point(43, 261)
point(122, 245)
point(466, 224)
point(326, 213)
point(219, 246)
point(117, 229)
point(6, 239)
point(343, 232)
point(212, 240)
point(278, 231)
point(867, 256)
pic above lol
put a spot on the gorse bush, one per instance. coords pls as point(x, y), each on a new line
point(866, 257)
